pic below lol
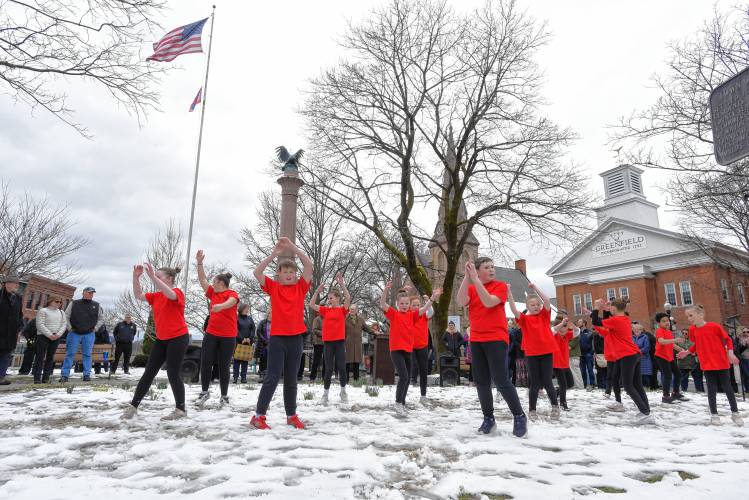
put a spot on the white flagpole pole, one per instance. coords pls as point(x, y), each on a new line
point(197, 159)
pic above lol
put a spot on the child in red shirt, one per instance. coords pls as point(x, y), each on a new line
point(714, 348)
point(665, 344)
point(401, 341)
point(485, 298)
point(564, 332)
point(333, 334)
point(168, 305)
point(286, 330)
point(617, 332)
point(539, 347)
point(421, 339)
point(220, 337)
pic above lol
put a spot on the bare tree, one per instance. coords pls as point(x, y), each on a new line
point(45, 41)
point(35, 236)
point(437, 107)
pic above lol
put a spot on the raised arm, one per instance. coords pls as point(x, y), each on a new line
point(462, 296)
point(259, 271)
point(486, 298)
point(561, 328)
point(227, 304)
point(383, 297)
point(137, 289)
point(160, 285)
point(428, 301)
point(542, 295)
point(312, 304)
point(346, 294)
point(511, 301)
point(199, 257)
point(307, 264)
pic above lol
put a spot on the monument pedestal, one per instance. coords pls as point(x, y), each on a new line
point(290, 184)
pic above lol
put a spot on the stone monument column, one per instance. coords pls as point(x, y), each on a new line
point(290, 184)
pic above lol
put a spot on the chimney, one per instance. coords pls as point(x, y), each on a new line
point(520, 266)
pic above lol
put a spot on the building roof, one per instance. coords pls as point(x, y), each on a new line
point(516, 280)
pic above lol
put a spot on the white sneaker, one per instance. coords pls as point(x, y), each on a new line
point(555, 412)
point(129, 413)
point(400, 410)
point(344, 396)
point(498, 397)
point(646, 419)
point(202, 398)
point(176, 414)
point(532, 415)
point(607, 395)
point(737, 419)
point(324, 399)
point(423, 400)
point(589, 388)
point(715, 420)
point(224, 401)
point(617, 407)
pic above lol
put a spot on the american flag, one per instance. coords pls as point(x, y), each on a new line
point(183, 40)
point(197, 100)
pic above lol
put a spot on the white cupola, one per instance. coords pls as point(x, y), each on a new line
point(624, 198)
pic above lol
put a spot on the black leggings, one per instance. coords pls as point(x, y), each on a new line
point(421, 359)
point(668, 369)
point(173, 352)
point(334, 353)
point(284, 356)
point(540, 369)
point(715, 378)
point(44, 362)
point(353, 367)
point(561, 375)
point(614, 379)
point(490, 364)
point(216, 347)
point(402, 364)
point(632, 381)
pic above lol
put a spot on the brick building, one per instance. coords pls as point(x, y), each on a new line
point(630, 256)
point(37, 289)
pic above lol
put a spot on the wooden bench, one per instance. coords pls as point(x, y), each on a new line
point(97, 354)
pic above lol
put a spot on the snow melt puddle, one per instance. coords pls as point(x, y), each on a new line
point(67, 445)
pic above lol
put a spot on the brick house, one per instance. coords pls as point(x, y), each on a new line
point(37, 289)
point(630, 256)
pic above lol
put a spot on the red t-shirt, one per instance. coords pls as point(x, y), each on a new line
point(710, 343)
point(333, 323)
point(224, 322)
point(617, 333)
point(538, 338)
point(421, 331)
point(168, 315)
point(287, 306)
point(562, 354)
point(664, 351)
point(488, 324)
point(401, 329)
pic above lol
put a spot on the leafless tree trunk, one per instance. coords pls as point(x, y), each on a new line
point(436, 107)
point(45, 41)
point(35, 236)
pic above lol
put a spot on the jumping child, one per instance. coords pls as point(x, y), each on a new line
point(539, 347)
point(485, 298)
point(714, 348)
point(333, 334)
point(665, 343)
point(286, 330)
point(421, 339)
point(564, 332)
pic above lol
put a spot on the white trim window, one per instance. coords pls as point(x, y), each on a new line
point(685, 287)
point(588, 301)
point(740, 293)
point(624, 293)
point(670, 289)
point(611, 294)
point(577, 304)
point(724, 290)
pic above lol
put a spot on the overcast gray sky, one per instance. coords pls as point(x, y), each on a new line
point(126, 182)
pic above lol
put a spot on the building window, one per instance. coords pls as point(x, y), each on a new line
point(588, 297)
point(671, 294)
point(42, 301)
point(686, 293)
point(578, 304)
point(740, 293)
point(611, 293)
point(624, 293)
point(724, 290)
point(30, 300)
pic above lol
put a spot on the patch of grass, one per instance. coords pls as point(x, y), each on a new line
point(357, 383)
point(610, 489)
point(152, 394)
point(497, 496)
point(161, 386)
point(69, 389)
point(464, 495)
point(372, 391)
point(309, 395)
point(100, 388)
point(684, 475)
point(250, 387)
point(126, 386)
point(653, 478)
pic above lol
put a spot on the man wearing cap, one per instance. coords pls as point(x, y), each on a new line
point(11, 322)
point(84, 318)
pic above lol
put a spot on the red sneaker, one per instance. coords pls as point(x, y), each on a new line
point(294, 421)
point(259, 422)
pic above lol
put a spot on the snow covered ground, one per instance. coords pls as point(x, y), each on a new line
point(60, 445)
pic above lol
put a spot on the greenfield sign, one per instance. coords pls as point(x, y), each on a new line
point(729, 113)
point(617, 242)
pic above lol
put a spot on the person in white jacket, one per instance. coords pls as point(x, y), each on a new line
point(51, 324)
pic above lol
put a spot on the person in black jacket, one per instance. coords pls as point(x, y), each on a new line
point(124, 335)
point(452, 340)
point(102, 337)
point(245, 335)
point(84, 318)
point(261, 346)
point(11, 323)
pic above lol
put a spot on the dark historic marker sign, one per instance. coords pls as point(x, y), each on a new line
point(729, 112)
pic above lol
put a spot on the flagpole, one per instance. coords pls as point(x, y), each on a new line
point(197, 159)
